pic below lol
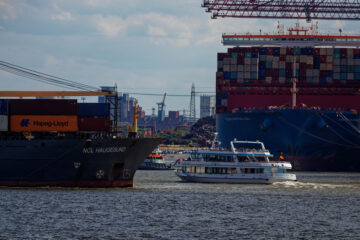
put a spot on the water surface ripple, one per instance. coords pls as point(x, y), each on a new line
point(318, 206)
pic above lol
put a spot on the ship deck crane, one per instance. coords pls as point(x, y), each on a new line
point(286, 9)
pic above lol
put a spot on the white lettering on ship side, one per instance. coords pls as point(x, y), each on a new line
point(51, 123)
point(103, 150)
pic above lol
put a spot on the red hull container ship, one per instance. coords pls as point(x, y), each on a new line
point(299, 93)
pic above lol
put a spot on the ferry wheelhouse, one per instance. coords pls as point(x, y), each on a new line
point(242, 165)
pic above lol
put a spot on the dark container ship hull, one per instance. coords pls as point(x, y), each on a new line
point(72, 162)
point(312, 140)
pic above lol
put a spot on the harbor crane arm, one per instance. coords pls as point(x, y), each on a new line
point(286, 9)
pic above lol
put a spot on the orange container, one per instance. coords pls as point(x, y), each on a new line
point(42, 123)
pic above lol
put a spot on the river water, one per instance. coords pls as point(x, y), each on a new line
point(160, 206)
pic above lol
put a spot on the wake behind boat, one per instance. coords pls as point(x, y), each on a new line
point(241, 165)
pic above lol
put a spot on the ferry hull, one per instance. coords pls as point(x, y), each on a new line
point(154, 166)
point(311, 140)
point(263, 179)
point(72, 162)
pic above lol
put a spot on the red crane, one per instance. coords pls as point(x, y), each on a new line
point(299, 9)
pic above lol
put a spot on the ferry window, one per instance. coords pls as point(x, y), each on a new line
point(212, 158)
point(231, 170)
point(242, 158)
point(195, 156)
point(274, 170)
point(200, 170)
point(208, 170)
point(242, 170)
point(259, 170)
point(261, 159)
point(183, 169)
point(188, 169)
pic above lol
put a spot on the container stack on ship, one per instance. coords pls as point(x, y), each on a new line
point(298, 92)
point(50, 142)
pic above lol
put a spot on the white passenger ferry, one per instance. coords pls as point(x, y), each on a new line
point(242, 165)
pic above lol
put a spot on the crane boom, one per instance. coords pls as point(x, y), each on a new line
point(22, 94)
point(299, 9)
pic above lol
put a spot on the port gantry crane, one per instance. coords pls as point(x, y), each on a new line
point(298, 9)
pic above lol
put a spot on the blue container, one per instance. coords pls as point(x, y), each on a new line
point(276, 51)
point(263, 51)
point(262, 73)
point(226, 75)
point(343, 68)
point(248, 55)
point(234, 55)
point(357, 76)
point(93, 109)
point(309, 51)
point(253, 75)
point(262, 64)
point(268, 64)
point(233, 75)
point(357, 69)
point(329, 73)
point(3, 107)
point(296, 51)
point(322, 79)
point(254, 55)
point(343, 76)
point(356, 56)
point(350, 68)
point(281, 72)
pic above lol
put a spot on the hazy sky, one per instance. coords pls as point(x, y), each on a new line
point(148, 46)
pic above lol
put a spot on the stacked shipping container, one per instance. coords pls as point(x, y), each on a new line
point(274, 66)
point(43, 115)
point(94, 117)
point(49, 115)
